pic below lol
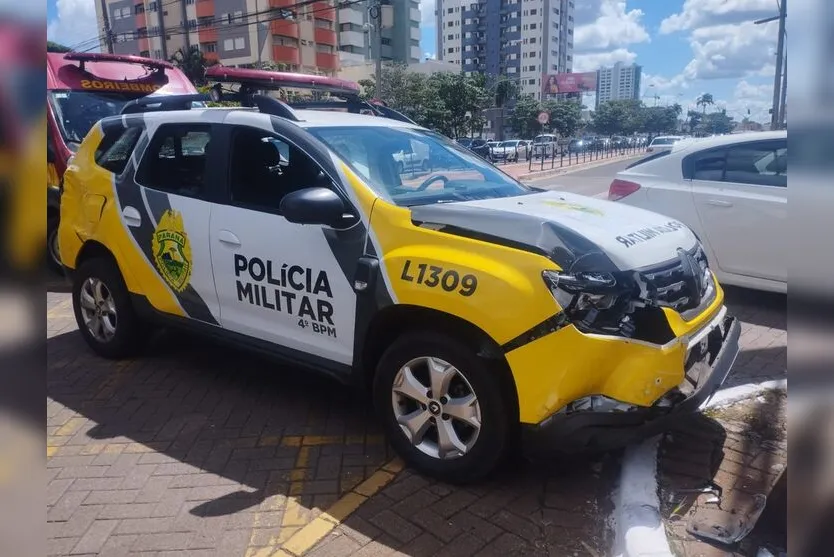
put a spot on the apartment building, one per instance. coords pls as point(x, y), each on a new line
point(400, 33)
point(234, 32)
point(618, 82)
point(523, 39)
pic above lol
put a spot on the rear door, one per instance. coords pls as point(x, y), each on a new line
point(175, 181)
point(740, 192)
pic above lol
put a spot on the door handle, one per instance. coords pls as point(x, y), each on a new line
point(719, 203)
point(228, 238)
point(132, 216)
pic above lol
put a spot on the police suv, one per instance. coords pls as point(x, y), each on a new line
point(477, 310)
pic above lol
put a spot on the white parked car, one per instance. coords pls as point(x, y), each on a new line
point(662, 143)
point(731, 191)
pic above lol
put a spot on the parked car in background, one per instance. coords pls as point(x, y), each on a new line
point(478, 146)
point(545, 145)
point(662, 143)
point(512, 150)
point(415, 159)
point(731, 191)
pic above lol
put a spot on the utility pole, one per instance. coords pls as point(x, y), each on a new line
point(783, 117)
point(258, 34)
point(375, 13)
point(108, 34)
point(776, 117)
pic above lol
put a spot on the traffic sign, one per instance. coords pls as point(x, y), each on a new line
point(543, 118)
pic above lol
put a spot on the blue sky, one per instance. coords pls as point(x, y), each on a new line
point(686, 47)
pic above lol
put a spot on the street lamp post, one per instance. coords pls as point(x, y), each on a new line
point(779, 78)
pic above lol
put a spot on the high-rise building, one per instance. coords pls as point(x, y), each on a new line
point(522, 39)
point(234, 32)
point(400, 39)
point(618, 82)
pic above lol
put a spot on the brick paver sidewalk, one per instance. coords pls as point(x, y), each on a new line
point(197, 449)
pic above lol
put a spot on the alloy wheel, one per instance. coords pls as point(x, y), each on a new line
point(436, 408)
point(98, 309)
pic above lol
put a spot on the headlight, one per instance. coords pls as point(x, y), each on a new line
point(593, 301)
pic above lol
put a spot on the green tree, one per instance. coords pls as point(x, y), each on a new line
point(614, 117)
point(704, 100)
point(693, 118)
point(56, 47)
point(659, 120)
point(192, 63)
point(565, 117)
point(523, 117)
point(716, 122)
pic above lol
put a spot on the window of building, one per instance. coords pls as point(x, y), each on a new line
point(284, 41)
point(240, 43)
point(532, 26)
point(533, 11)
point(457, 49)
point(450, 37)
point(189, 2)
point(238, 15)
point(153, 6)
point(224, 18)
point(326, 48)
point(139, 9)
point(532, 40)
point(323, 23)
point(451, 50)
point(175, 161)
point(531, 82)
point(229, 44)
point(192, 23)
point(209, 47)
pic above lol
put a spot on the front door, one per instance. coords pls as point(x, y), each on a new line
point(280, 282)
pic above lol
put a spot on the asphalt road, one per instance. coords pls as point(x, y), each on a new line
point(593, 181)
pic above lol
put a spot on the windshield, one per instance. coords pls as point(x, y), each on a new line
point(465, 142)
point(665, 141)
point(509, 144)
point(78, 111)
point(445, 173)
point(542, 139)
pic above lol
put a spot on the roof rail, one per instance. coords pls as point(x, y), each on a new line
point(270, 105)
point(82, 57)
point(162, 103)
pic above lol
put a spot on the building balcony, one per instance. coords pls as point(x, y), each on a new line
point(351, 15)
point(207, 35)
point(284, 28)
point(205, 8)
point(141, 20)
point(415, 33)
point(282, 3)
point(414, 14)
point(286, 54)
point(323, 10)
point(352, 38)
point(324, 36)
point(211, 57)
point(327, 61)
point(144, 44)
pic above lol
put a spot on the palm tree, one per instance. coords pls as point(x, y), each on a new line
point(704, 100)
point(192, 63)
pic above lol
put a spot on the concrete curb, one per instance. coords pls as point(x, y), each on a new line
point(573, 168)
point(640, 531)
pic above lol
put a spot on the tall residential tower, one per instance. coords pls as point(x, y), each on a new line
point(618, 82)
point(522, 39)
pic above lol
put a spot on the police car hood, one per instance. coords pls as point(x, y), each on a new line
point(579, 233)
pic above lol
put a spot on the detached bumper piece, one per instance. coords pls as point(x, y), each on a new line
point(604, 424)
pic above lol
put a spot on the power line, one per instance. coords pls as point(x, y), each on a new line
point(216, 22)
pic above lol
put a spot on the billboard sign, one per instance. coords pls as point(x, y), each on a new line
point(570, 83)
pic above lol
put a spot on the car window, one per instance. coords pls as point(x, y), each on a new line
point(115, 148)
point(762, 163)
point(709, 166)
point(263, 168)
point(175, 160)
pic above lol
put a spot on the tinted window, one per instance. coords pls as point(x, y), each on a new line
point(709, 166)
point(664, 141)
point(116, 147)
point(264, 168)
point(176, 159)
point(649, 158)
point(763, 163)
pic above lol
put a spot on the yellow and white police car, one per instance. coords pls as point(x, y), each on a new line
point(477, 310)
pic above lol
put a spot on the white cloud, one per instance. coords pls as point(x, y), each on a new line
point(427, 8)
point(613, 27)
point(429, 56)
point(731, 51)
point(660, 83)
point(704, 13)
point(75, 23)
point(595, 60)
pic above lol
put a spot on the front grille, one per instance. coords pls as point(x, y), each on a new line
point(672, 285)
point(668, 286)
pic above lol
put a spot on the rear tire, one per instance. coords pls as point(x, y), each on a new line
point(104, 312)
point(474, 419)
point(53, 256)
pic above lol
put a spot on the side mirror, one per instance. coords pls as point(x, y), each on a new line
point(314, 206)
point(50, 154)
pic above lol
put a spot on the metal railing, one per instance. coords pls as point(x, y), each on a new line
point(562, 156)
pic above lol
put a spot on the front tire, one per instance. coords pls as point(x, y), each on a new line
point(103, 310)
point(442, 407)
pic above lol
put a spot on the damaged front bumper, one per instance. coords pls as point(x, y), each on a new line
point(598, 423)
